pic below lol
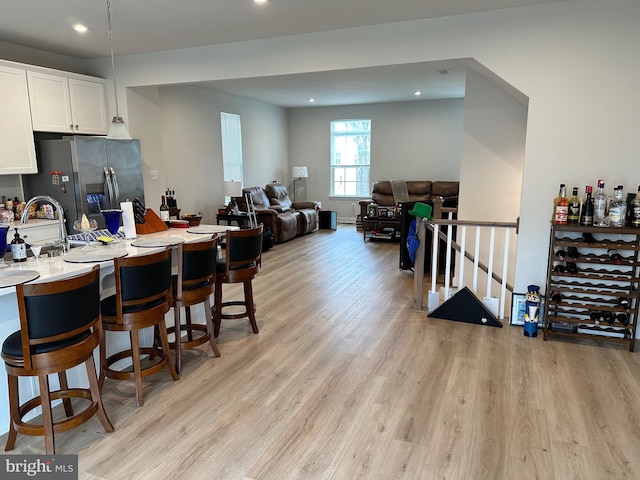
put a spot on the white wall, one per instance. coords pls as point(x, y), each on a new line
point(409, 140)
point(179, 128)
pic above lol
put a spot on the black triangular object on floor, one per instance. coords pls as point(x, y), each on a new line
point(464, 306)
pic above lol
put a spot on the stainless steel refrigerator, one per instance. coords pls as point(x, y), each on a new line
point(87, 175)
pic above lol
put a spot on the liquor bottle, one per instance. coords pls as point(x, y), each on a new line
point(18, 248)
point(615, 256)
point(574, 208)
point(562, 207)
point(600, 206)
point(635, 210)
point(617, 209)
point(164, 210)
point(555, 203)
point(586, 214)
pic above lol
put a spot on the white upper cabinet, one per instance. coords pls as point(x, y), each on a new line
point(66, 104)
point(17, 148)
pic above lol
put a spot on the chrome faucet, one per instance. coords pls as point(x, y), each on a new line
point(62, 233)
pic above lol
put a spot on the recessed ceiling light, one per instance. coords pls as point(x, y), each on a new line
point(311, 100)
point(260, 1)
point(417, 93)
point(78, 27)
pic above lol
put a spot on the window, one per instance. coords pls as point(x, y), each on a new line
point(350, 156)
point(231, 148)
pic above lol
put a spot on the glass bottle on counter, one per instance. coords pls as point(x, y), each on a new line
point(164, 210)
point(617, 209)
point(574, 208)
point(586, 215)
point(18, 248)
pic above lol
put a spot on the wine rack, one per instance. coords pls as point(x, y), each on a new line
point(592, 283)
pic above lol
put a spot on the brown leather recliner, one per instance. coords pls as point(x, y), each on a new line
point(275, 210)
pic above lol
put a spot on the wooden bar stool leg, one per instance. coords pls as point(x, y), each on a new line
point(12, 381)
point(212, 339)
point(47, 416)
point(167, 351)
point(66, 401)
point(137, 368)
point(94, 386)
point(217, 310)
point(248, 300)
point(187, 320)
point(177, 339)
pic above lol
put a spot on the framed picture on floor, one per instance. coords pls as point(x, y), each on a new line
point(518, 308)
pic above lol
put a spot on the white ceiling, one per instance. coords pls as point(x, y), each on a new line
point(142, 26)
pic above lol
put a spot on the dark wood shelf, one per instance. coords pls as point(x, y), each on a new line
point(595, 287)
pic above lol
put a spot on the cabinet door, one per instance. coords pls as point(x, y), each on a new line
point(17, 148)
point(50, 105)
point(87, 107)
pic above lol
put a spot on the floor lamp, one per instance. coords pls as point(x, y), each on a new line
point(299, 171)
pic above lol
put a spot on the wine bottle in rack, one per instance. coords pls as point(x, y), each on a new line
point(560, 253)
point(573, 253)
point(615, 256)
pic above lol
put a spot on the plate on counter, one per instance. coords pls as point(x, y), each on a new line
point(210, 229)
point(156, 242)
point(11, 278)
point(94, 254)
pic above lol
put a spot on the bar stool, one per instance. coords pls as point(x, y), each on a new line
point(193, 285)
point(143, 296)
point(59, 328)
point(241, 264)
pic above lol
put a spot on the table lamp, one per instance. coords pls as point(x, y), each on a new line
point(299, 171)
point(232, 189)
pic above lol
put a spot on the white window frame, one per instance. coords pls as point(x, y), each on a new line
point(349, 167)
point(231, 132)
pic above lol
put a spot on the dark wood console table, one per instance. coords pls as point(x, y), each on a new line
point(373, 228)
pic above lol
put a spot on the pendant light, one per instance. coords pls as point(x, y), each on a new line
point(117, 129)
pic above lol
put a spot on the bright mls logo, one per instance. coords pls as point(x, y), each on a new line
point(51, 467)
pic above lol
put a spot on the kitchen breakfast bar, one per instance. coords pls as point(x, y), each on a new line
point(80, 260)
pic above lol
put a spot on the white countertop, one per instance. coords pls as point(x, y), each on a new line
point(52, 268)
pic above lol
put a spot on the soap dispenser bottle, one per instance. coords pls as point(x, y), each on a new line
point(18, 248)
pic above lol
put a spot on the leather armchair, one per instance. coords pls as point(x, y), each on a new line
point(275, 210)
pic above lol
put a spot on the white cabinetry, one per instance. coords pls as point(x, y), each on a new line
point(17, 149)
point(67, 104)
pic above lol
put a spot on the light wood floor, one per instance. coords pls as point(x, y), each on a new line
point(346, 381)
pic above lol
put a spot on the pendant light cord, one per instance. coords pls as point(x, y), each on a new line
point(113, 63)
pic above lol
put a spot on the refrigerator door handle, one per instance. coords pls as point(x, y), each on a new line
point(107, 181)
point(116, 191)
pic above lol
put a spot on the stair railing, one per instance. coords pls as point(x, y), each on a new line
point(436, 225)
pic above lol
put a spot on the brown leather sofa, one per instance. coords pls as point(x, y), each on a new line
point(275, 210)
point(419, 191)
